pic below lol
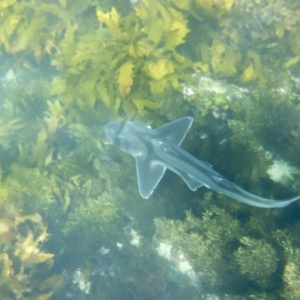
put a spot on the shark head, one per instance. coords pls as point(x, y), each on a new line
point(126, 135)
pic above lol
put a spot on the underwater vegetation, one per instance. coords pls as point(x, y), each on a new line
point(24, 265)
point(72, 222)
point(117, 55)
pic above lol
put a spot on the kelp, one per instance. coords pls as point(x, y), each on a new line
point(143, 49)
point(25, 25)
point(119, 55)
point(138, 50)
point(23, 262)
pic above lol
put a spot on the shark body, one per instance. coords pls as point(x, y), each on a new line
point(156, 150)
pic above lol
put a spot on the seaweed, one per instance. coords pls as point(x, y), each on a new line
point(68, 67)
point(91, 224)
point(23, 262)
point(256, 260)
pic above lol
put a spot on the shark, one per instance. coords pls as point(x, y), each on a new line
point(156, 150)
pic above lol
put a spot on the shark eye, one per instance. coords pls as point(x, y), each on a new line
point(166, 148)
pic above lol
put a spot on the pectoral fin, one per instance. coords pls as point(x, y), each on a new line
point(149, 175)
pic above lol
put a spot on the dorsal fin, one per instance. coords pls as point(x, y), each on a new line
point(175, 131)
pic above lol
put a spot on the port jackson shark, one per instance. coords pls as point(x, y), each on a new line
point(156, 150)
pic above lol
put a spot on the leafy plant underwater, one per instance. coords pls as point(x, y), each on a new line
point(67, 68)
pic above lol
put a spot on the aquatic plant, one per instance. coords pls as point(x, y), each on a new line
point(291, 274)
point(272, 133)
point(256, 260)
point(137, 50)
point(200, 241)
point(232, 240)
point(91, 224)
point(23, 262)
point(85, 63)
point(32, 185)
point(115, 55)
